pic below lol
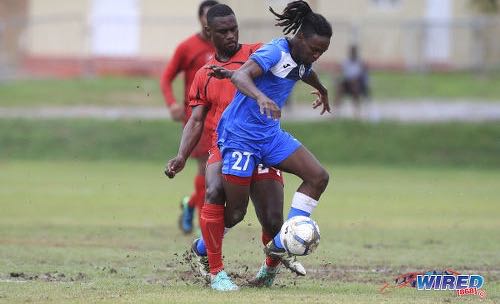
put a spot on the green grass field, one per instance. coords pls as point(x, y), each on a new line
point(113, 91)
point(87, 216)
point(336, 142)
point(105, 231)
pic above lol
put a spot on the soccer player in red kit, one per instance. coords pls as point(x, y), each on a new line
point(190, 55)
point(209, 97)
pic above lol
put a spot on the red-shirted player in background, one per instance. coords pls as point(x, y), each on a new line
point(190, 55)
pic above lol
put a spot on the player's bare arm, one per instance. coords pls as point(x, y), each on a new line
point(321, 94)
point(190, 137)
point(243, 80)
point(219, 72)
point(176, 112)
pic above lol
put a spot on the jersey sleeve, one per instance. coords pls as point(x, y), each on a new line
point(173, 68)
point(267, 56)
point(197, 95)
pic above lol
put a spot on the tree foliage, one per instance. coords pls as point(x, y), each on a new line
point(486, 6)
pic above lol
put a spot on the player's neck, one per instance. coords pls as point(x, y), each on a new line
point(203, 36)
point(225, 57)
point(293, 50)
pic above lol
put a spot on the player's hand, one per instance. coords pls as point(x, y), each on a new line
point(219, 72)
point(269, 108)
point(177, 112)
point(174, 166)
point(321, 99)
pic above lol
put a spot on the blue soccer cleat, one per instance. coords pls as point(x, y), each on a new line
point(265, 277)
point(186, 217)
point(222, 282)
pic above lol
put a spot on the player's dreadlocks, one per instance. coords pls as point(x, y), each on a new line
point(298, 15)
point(205, 4)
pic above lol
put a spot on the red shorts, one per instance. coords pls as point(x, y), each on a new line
point(260, 173)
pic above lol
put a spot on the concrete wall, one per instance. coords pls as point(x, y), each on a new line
point(13, 20)
point(58, 27)
point(389, 35)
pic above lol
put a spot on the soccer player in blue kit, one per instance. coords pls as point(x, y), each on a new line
point(249, 130)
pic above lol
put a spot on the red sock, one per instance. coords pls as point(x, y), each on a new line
point(212, 229)
point(198, 196)
point(270, 262)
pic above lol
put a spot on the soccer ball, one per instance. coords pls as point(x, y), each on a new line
point(300, 235)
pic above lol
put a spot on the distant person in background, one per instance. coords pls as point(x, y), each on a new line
point(353, 82)
point(190, 55)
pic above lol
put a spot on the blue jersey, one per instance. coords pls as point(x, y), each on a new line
point(242, 118)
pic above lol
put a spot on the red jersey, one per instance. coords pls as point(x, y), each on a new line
point(190, 55)
point(216, 94)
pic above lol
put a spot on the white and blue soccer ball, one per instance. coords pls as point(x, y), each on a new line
point(300, 235)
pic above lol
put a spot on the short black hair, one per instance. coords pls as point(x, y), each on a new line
point(298, 16)
point(205, 4)
point(219, 10)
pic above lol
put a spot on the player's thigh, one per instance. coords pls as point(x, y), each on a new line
point(266, 192)
point(237, 197)
point(238, 163)
point(303, 164)
point(214, 189)
point(202, 163)
point(237, 168)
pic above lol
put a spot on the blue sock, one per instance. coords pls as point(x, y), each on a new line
point(277, 241)
point(293, 212)
point(296, 212)
point(200, 247)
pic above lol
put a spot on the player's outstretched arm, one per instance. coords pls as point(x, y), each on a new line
point(219, 72)
point(322, 93)
point(190, 137)
point(243, 80)
point(167, 77)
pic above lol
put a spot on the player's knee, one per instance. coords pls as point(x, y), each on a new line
point(320, 180)
point(214, 192)
point(230, 220)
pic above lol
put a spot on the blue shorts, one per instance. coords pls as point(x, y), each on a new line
point(241, 157)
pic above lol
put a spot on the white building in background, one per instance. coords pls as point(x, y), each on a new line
point(115, 27)
point(390, 33)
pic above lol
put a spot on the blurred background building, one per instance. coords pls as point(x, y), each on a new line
point(137, 36)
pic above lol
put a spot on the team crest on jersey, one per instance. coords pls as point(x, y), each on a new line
point(302, 70)
point(288, 68)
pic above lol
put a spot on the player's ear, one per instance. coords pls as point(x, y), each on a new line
point(208, 32)
point(300, 35)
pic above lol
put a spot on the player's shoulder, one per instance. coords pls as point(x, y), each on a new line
point(247, 49)
point(189, 42)
point(274, 48)
point(280, 44)
point(202, 73)
point(252, 47)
